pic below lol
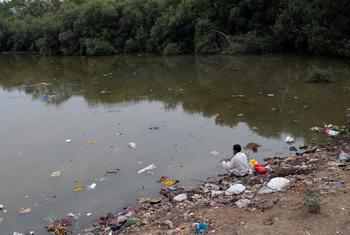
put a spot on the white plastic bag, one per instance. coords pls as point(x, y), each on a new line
point(235, 189)
point(181, 197)
point(278, 183)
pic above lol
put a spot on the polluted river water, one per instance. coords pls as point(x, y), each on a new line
point(175, 109)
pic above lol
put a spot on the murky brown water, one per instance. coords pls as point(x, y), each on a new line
point(44, 101)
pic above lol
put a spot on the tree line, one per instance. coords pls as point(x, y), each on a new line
point(105, 27)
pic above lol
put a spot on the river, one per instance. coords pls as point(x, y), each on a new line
point(176, 109)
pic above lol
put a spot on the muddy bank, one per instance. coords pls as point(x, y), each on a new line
point(258, 205)
point(279, 212)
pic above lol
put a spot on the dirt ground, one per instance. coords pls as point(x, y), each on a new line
point(287, 217)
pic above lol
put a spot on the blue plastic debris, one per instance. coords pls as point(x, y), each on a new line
point(201, 228)
point(46, 98)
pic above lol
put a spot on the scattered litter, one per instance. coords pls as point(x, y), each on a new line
point(201, 228)
point(1, 207)
point(17, 233)
point(270, 95)
point(237, 96)
point(60, 227)
point(78, 188)
point(168, 223)
point(49, 219)
point(113, 171)
point(278, 183)
point(91, 142)
point(73, 215)
point(147, 168)
point(242, 203)
point(119, 133)
point(129, 222)
point(23, 210)
point(143, 200)
point(315, 129)
point(92, 186)
point(337, 183)
point(253, 146)
point(169, 182)
point(344, 157)
point(235, 189)
point(55, 174)
point(154, 128)
point(252, 162)
point(88, 214)
point(101, 179)
point(330, 132)
point(216, 193)
point(240, 115)
point(68, 140)
point(217, 153)
point(292, 148)
point(196, 197)
point(265, 189)
point(289, 140)
point(259, 168)
point(181, 197)
point(46, 98)
point(132, 145)
point(255, 128)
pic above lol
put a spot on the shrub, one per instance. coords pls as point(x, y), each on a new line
point(96, 47)
point(204, 37)
point(318, 75)
point(172, 49)
point(234, 49)
point(249, 43)
point(312, 202)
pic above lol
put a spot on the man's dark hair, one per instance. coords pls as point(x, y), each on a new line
point(237, 148)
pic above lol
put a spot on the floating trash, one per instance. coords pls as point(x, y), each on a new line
point(55, 174)
point(132, 145)
point(92, 186)
point(78, 188)
point(147, 168)
point(23, 210)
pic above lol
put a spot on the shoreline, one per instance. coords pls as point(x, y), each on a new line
point(315, 169)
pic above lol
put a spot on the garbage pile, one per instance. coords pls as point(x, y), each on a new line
point(112, 222)
point(255, 192)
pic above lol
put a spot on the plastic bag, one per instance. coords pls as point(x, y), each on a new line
point(278, 183)
point(235, 189)
point(260, 168)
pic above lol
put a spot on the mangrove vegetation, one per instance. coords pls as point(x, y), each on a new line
point(105, 27)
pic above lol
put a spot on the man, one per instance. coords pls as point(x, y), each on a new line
point(238, 165)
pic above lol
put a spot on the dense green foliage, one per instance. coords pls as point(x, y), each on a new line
point(103, 27)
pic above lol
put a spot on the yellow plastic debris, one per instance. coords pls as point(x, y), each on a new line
point(252, 162)
point(78, 188)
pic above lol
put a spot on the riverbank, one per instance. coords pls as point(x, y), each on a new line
point(258, 210)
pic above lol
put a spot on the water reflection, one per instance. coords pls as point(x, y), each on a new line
point(207, 85)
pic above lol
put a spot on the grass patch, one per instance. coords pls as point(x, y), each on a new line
point(312, 202)
point(318, 75)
